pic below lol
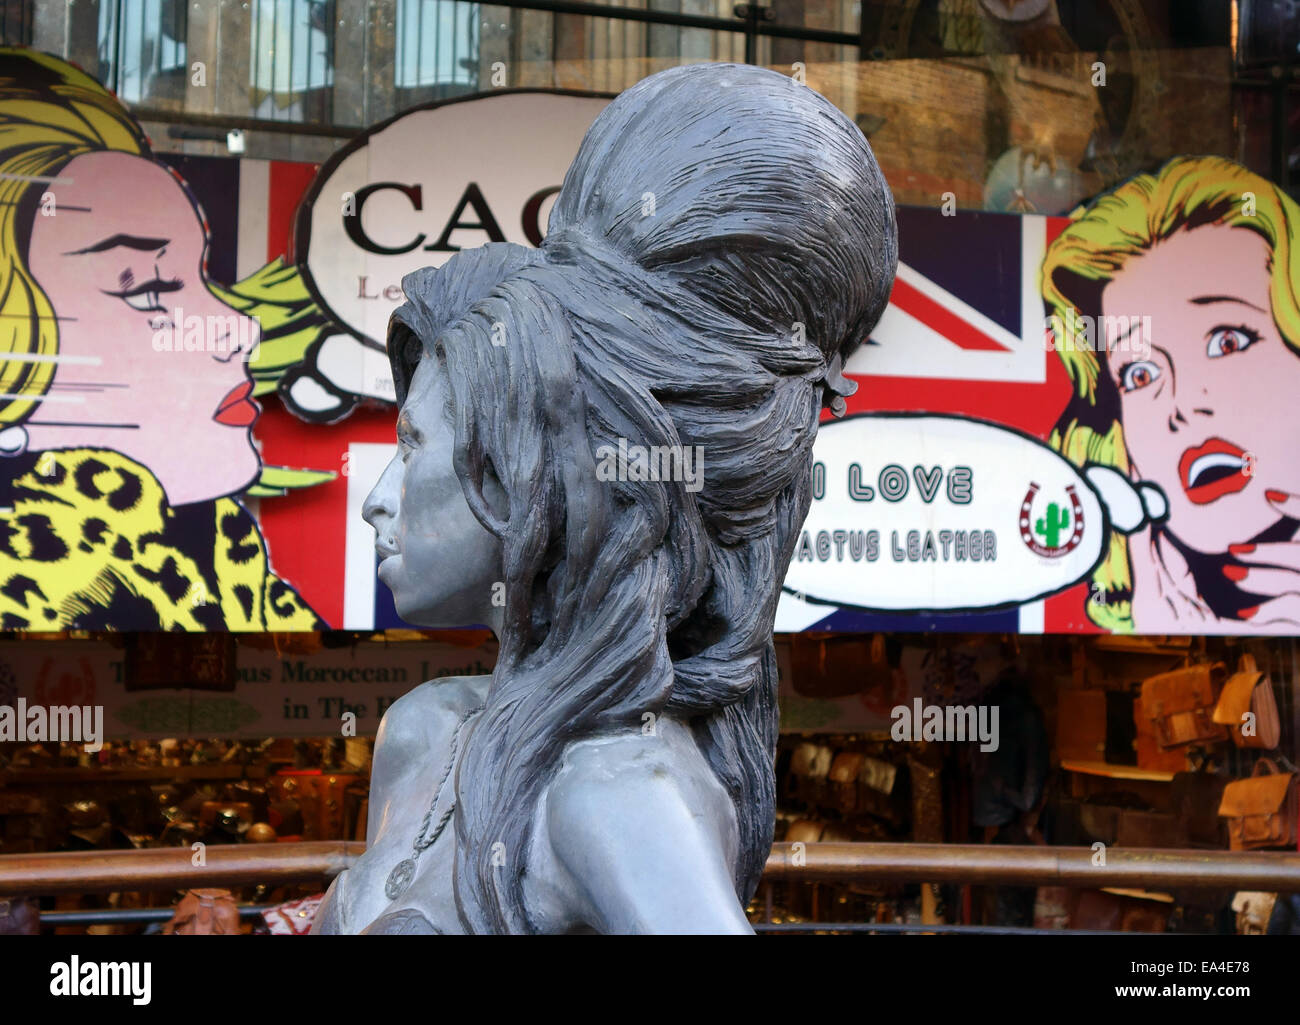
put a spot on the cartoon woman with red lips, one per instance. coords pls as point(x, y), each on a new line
point(1193, 282)
point(126, 398)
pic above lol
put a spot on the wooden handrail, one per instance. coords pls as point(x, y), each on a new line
point(280, 864)
point(1036, 866)
point(167, 868)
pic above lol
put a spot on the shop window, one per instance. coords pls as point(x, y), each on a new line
point(16, 22)
point(291, 59)
point(142, 50)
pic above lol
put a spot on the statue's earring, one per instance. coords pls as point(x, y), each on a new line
point(836, 387)
point(13, 440)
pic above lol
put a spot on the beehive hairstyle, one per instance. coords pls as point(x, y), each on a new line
point(723, 240)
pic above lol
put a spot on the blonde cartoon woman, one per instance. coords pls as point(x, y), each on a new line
point(126, 399)
point(1179, 296)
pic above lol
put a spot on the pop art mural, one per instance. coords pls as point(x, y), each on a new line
point(1154, 351)
point(1063, 424)
point(127, 380)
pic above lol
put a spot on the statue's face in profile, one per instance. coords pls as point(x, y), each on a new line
point(439, 561)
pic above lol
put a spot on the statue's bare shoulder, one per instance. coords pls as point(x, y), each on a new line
point(414, 720)
point(646, 833)
point(416, 731)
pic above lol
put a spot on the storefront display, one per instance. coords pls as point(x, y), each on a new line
point(503, 470)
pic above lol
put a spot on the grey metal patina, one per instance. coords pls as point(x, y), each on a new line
point(722, 242)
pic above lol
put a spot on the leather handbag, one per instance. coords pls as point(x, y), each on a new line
point(844, 780)
point(810, 765)
point(1248, 708)
point(804, 831)
point(1097, 909)
point(838, 666)
point(1149, 829)
point(878, 774)
point(1254, 908)
point(1180, 705)
point(204, 913)
point(1261, 810)
point(1150, 755)
point(877, 794)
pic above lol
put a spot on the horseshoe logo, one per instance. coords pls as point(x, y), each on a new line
point(1051, 525)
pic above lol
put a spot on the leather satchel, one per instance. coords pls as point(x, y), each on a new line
point(1150, 755)
point(1261, 810)
point(1180, 705)
point(1248, 691)
point(843, 778)
point(838, 666)
point(204, 913)
point(810, 765)
point(1149, 829)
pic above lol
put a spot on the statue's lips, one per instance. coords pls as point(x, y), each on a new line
point(385, 554)
point(1212, 470)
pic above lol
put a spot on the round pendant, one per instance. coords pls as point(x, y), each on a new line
point(399, 878)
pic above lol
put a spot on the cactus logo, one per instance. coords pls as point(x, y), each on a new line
point(1057, 530)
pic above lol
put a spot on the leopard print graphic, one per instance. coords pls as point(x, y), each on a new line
point(88, 541)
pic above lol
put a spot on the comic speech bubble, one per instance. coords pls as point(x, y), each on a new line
point(941, 513)
point(413, 190)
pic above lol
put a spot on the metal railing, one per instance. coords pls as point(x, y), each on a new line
point(281, 864)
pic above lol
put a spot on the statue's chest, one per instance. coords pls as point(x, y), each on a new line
point(409, 868)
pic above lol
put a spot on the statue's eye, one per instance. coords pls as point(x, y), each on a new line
point(1224, 341)
point(1138, 374)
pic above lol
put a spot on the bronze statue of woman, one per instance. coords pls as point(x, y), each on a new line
point(605, 453)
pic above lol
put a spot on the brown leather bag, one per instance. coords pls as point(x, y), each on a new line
point(1149, 829)
point(844, 780)
point(1261, 810)
point(1180, 705)
point(204, 913)
point(810, 765)
point(838, 666)
point(1249, 691)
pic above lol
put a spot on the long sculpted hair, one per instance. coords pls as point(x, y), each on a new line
point(723, 240)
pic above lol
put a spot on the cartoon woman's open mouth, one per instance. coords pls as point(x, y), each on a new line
point(1214, 469)
point(237, 409)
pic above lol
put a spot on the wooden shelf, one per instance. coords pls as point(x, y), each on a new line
point(1120, 891)
point(1116, 771)
point(1131, 645)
